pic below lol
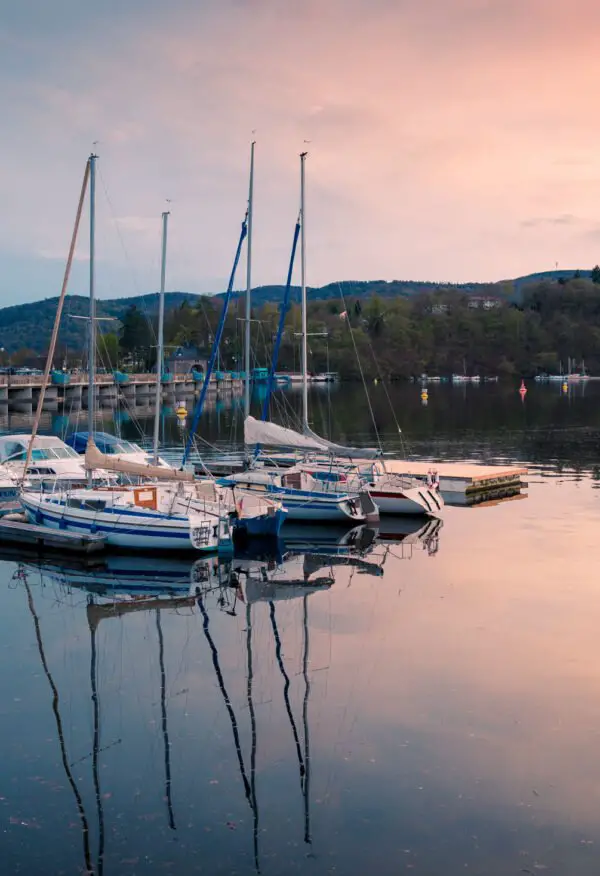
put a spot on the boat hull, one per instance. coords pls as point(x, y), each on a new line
point(304, 505)
point(126, 530)
point(262, 525)
point(412, 502)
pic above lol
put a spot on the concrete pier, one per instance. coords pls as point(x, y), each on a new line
point(21, 392)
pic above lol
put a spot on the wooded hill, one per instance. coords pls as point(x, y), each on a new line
point(399, 329)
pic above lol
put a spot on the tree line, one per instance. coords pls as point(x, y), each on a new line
point(437, 332)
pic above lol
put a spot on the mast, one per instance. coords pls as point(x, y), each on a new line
point(251, 712)
point(59, 310)
point(303, 281)
point(306, 784)
point(85, 828)
point(160, 339)
point(248, 287)
point(96, 749)
point(286, 691)
point(92, 333)
point(163, 712)
point(226, 699)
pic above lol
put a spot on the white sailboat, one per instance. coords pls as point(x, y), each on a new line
point(379, 491)
point(304, 497)
point(153, 517)
point(392, 493)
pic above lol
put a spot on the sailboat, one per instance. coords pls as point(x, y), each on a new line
point(156, 516)
point(304, 497)
point(368, 482)
point(249, 516)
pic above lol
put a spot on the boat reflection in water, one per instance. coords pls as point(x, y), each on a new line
point(305, 564)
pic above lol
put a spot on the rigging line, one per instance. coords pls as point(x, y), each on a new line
point(95, 750)
point(362, 376)
point(61, 737)
point(306, 789)
point(228, 706)
point(285, 306)
point(387, 395)
point(163, 712)
point(253, 733)
point(286, 690)
point(215, 348)
point(120, 236)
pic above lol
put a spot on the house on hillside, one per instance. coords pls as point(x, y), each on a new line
point(484, 302)
point(182, 360)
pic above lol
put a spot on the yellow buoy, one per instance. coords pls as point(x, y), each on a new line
point(565, 387)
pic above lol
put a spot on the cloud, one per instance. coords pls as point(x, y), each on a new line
point(564, 219)
point(434, 128)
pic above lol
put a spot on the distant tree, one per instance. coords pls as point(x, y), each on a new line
point(596, 274)
point(136, 338)
point(108, 350)
point(20, 357)
point(577, 275)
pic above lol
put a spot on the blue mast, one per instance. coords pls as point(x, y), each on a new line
point(213, 353)
point(285, 304)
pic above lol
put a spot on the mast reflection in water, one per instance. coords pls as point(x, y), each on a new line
point(252, 612)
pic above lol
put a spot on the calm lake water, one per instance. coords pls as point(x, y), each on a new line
point(428, 701)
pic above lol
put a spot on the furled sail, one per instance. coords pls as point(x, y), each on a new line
point(341, 450)
point(259, 432)
point(95, 459)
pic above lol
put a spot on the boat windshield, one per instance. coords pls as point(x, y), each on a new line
point(122, 447)
point(17, 451)
point(52, 453)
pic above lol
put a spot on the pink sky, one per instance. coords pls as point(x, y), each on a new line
point(450, 139)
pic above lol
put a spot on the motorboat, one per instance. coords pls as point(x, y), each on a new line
point(52, 462)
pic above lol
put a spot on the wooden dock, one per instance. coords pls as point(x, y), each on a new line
point(464, 483)
point(16, 530)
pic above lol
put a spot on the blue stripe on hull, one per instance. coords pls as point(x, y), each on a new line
point(154, 539)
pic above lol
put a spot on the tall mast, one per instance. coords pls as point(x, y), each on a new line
point(92, 332)
point(306, 787)
point(303, 281)
point(59, 311)
point(163, 711)
point(248, 287)
point(160, 339)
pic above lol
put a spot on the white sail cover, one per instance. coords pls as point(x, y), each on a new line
point(258, 432)
point(95, 459)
